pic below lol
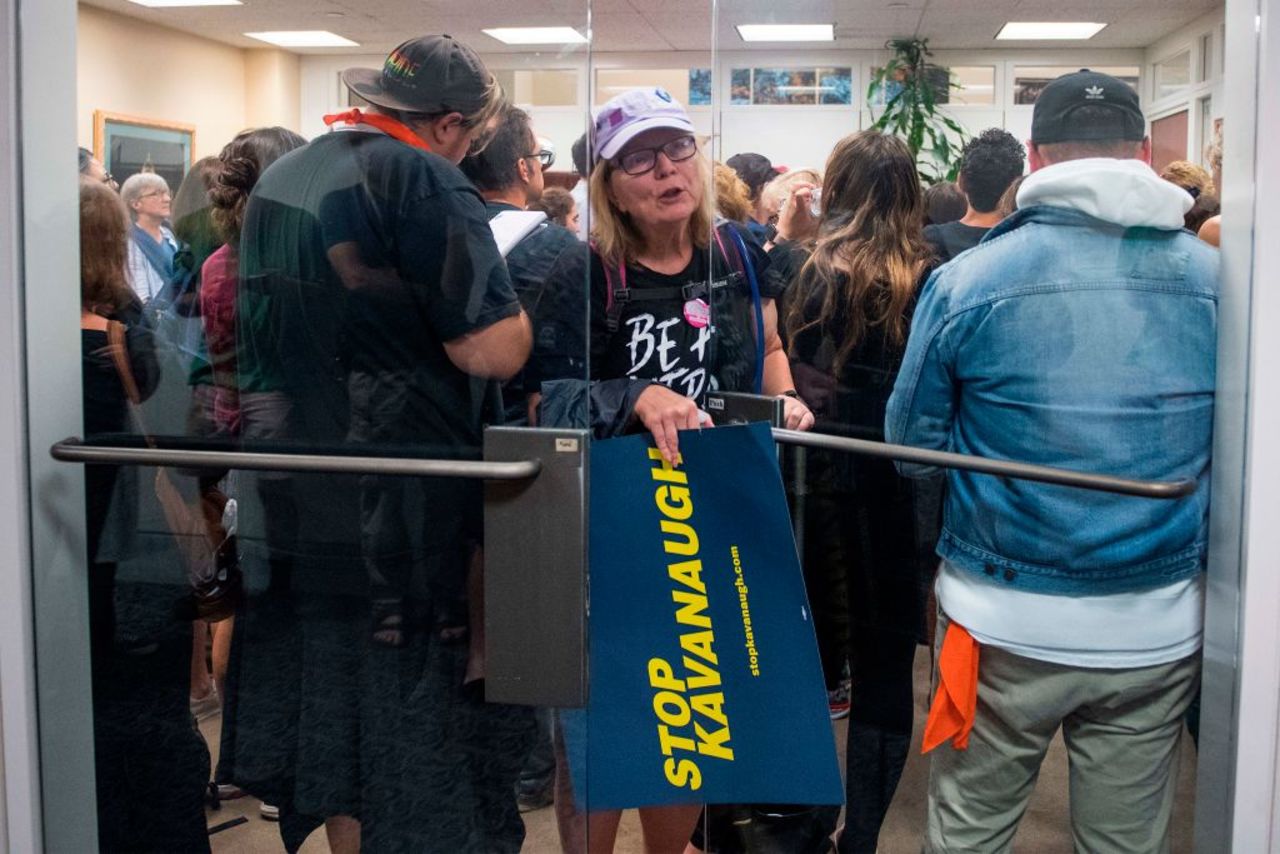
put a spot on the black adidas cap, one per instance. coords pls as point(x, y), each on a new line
point(431, 74)
point(1054, 118)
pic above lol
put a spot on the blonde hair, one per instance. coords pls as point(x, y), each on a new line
point(617, 240)
point(1187, 175)
point(777, 190)
point(495, 102)
point(733, 196)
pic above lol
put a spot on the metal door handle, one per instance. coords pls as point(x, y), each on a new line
point(74, 450)
point(1164, 489)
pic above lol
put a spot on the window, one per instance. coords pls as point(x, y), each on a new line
point(1205, 67)
point(689, 86)
point(1206, 131)
point(805, 86)
point(1173, 74)
point(959, 85)
point(1029, 80)
point(977, 85)
point(540, 87)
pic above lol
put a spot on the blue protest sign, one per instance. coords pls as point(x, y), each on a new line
point(705, 681)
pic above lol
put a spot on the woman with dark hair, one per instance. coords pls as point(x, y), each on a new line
point(241, 162)
point(151, 764)
point(105, 296)
point(847, 318)
point(235, 172)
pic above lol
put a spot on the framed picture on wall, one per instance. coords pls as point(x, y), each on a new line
point(127, 145)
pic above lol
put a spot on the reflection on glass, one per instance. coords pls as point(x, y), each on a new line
point(319, 636)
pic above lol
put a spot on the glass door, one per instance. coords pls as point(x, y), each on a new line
point(316, 290)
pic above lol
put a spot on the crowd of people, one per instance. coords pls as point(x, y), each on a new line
point(347, 294)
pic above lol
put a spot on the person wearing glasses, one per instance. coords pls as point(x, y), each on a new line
point(92, 168)
point(152, 245)
point(372, 309)
point(509, 175)
point(660, 271)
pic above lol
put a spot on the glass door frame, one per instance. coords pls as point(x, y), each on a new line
point(45, 710)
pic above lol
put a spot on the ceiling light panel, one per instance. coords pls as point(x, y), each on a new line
point(787, 32)
point(173, 4)
point(303, 38)
point(1041, 30)
point(536, 35)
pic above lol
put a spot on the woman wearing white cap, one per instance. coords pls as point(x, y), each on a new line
point(675, 301)
point(678, 307)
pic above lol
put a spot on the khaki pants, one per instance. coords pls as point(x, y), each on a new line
point(1122, 729)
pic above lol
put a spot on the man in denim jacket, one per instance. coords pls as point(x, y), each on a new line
point(1080, 333)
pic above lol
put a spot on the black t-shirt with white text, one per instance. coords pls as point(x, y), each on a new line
point(653, 339)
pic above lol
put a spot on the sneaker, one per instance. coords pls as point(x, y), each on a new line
point(838, 701)
point(203, 708)
point(269, 812)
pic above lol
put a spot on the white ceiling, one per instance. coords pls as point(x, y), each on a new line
point(663, 25)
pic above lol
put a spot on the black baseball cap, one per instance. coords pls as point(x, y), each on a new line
point(754, 169)
point(1053, 118)
point(431, 74)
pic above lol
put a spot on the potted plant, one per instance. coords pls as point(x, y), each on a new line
point(910, 87)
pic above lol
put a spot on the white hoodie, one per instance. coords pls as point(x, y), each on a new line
point(1125, 192)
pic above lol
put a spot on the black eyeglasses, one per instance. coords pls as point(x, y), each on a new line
point(543, 156)
point(642, 160)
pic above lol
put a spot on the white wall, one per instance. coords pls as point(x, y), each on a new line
point(1206, 84)
point(124, 65)
point(792, 135)
point(128, 66)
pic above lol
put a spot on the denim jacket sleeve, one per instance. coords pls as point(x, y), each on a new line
point(922, 407)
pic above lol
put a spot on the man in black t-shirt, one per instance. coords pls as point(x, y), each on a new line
point(376, 307)
point(989, 163)
point(508, 174)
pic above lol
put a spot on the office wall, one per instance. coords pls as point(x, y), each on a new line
point(272, 83)
point(770, 130)
point(124, 65)
point(127, 66)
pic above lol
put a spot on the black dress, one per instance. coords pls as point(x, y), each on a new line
point(871, 532)
point(151, 763)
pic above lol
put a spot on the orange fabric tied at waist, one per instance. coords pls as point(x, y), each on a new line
point(956, 703)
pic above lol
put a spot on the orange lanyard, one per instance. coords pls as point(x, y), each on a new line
point(391, 127)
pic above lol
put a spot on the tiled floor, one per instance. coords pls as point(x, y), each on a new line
point(1044, 830)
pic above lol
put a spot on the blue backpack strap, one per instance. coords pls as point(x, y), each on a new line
point(744, 259)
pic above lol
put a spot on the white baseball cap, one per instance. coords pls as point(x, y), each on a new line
point(632, 113)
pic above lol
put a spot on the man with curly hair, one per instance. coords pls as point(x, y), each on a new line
point(989, 163)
